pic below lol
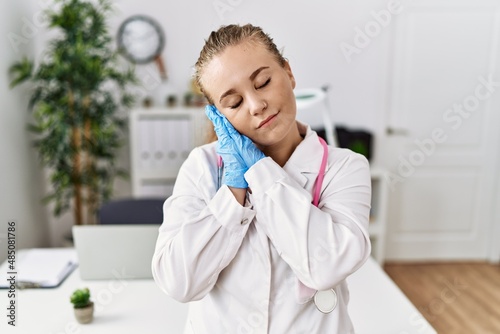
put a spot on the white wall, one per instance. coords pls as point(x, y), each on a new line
point(20, 178)
point(310, 32)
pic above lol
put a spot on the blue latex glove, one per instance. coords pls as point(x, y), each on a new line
point(238, 152)
point(244, 145)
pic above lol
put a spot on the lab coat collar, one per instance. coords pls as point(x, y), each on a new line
point(305, 161)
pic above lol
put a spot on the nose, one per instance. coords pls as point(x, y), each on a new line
point(256, 104)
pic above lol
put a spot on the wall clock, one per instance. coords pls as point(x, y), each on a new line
point(141, 40)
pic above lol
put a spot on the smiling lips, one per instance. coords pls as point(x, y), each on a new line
point(266, 121)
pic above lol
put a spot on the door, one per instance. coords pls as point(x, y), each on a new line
point(441, 148)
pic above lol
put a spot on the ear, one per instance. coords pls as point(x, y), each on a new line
point(288, 71)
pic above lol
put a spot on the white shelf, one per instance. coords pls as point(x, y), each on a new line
point(160, 141)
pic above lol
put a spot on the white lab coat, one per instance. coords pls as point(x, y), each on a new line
point(239, 265)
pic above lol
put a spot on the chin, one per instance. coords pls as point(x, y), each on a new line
point(270, 140)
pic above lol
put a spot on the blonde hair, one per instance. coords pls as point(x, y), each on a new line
point(218, 41)
point(231, 35)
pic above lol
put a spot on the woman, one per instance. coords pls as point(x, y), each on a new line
point(247, 247)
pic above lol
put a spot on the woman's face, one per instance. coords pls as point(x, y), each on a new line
point(255, 93)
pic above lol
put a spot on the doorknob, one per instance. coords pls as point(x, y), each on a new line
point(390, 131)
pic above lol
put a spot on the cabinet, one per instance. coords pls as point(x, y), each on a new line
point(378, 214)
point(160, 141)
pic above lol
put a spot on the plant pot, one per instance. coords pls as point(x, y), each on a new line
point(86, 314)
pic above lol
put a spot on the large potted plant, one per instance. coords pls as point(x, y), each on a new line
point(78, 90)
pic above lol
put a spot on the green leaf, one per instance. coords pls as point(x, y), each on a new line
point(21, 72)
point(80, 298)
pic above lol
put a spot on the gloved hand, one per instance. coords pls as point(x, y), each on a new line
point(244, 145)
point(238, 152)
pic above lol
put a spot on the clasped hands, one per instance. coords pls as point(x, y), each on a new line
point(238, 152)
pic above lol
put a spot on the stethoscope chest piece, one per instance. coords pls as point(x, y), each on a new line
point(325, 300)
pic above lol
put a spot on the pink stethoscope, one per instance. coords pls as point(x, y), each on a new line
point(325, 300)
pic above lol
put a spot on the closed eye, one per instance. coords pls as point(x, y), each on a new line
point(265, 83)
point(236, 105)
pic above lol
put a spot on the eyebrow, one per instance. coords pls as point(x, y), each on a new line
point(252, 77)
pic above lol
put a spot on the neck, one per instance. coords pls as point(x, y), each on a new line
point(281, 152)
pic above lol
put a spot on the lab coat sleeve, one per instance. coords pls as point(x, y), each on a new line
point(325, 244)
point(201, 232)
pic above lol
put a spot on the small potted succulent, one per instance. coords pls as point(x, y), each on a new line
point(84, 307)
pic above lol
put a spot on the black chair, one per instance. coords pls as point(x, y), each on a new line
point(132, 211)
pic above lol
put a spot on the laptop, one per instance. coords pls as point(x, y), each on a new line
point(115, 251)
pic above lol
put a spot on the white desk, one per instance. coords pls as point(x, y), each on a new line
point(137, 306)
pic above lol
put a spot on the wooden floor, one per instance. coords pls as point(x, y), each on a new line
point(455, 298)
